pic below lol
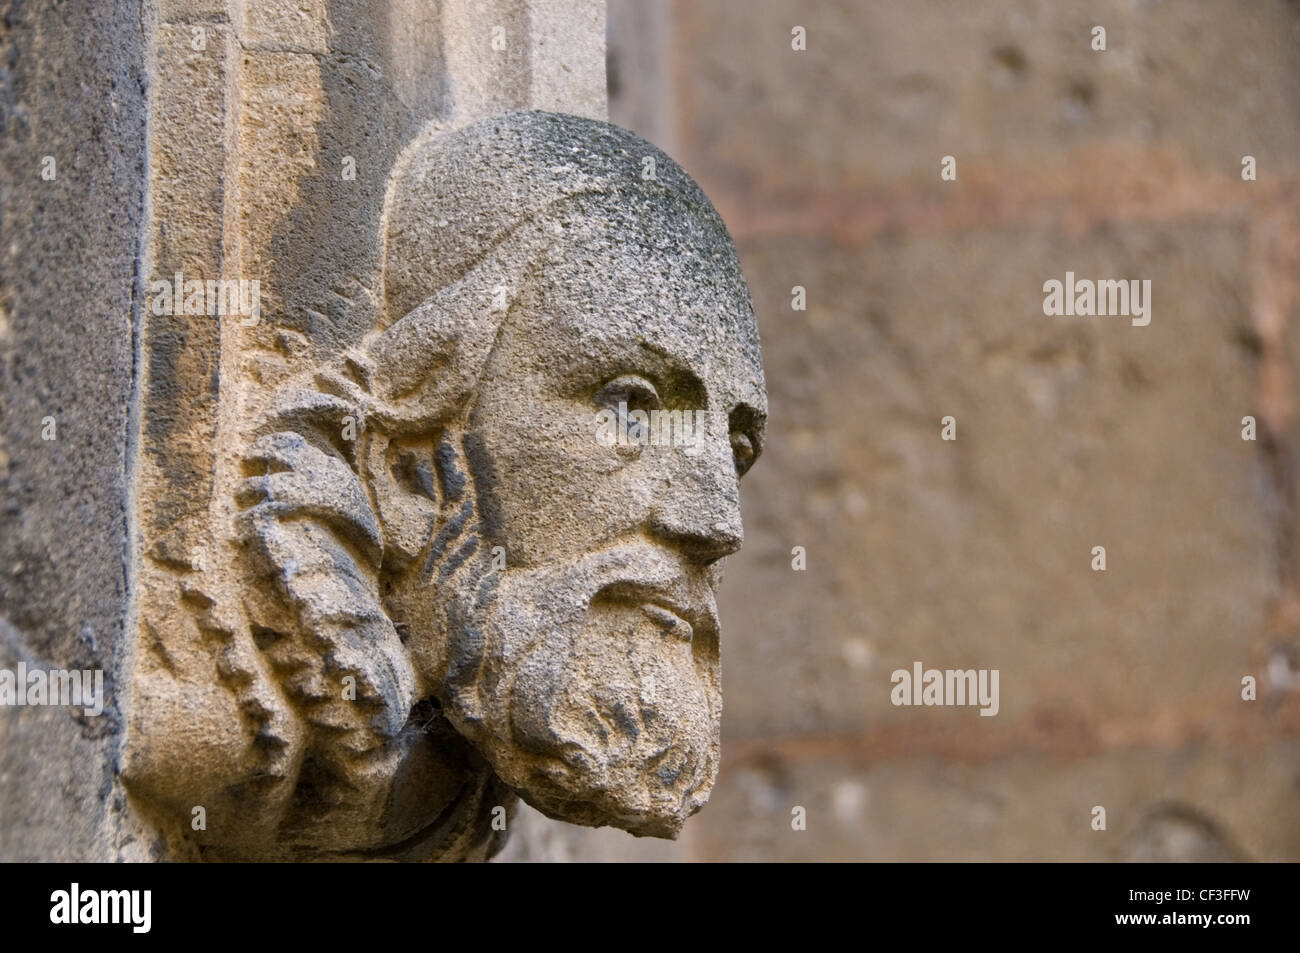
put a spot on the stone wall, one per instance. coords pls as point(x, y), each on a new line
point(1120, 688)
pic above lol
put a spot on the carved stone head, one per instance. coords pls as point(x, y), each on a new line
point(463, 588)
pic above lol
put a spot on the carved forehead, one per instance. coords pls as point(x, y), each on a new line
point(456, 196)
point(666, 282)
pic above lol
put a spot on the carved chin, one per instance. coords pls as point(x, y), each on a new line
point(621, 724)
point(612, 722)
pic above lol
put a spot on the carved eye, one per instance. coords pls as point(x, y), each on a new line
point(742, 449)
point(632, 390)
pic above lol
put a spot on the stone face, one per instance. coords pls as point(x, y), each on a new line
point(445, 588)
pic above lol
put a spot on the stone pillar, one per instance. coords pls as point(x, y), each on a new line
point(72, 130)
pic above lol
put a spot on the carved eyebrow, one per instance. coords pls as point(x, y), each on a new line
point(743, 416)
point(682, 379)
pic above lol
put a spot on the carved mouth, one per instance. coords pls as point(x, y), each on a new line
point(677, 617)
point(673, 621)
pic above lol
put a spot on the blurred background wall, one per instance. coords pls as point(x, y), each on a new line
point(1119, 688)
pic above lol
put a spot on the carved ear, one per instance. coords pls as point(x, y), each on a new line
point(424, 368)
point(405, 485)
point(420, 374)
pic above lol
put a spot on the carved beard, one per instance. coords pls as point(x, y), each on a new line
point(595, 708)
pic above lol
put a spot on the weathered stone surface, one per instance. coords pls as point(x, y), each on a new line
point(68, 325)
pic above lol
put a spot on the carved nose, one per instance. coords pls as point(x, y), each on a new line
point(698, 511)
point(702, 543)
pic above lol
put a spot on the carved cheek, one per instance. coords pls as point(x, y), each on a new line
point(549, 487)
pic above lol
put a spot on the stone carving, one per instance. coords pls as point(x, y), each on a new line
point(456, 592)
